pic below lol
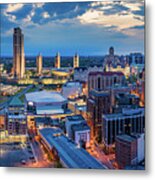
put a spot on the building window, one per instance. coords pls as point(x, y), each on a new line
point(99, 83)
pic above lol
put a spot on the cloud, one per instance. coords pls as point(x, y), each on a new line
point(120, 14)
point(133, 6)
point(109, 22)
point(120, 21)
point(13, 7)
point(27, 19)
point(38, 5)
point(45, 15)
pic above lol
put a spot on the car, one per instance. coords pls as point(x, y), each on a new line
point(23, 162)
point(31, 157)
point(34, 161)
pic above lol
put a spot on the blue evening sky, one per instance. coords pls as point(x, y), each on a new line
point(88, 28)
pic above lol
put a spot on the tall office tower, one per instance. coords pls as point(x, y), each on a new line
point(18, 51)
point(98, 103)
point(39, 64)
point(76, 61)
point(57, 61)
point(111, 51)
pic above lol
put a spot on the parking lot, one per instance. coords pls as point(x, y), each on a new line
point(16, 154)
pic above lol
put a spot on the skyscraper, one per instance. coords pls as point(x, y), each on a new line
point(57, 61)
point(39, 64)
point(111, 51)
point(18, 54)
point(76, 61)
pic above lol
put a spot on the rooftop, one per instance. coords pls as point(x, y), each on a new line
point(80, 127)
point(69, 153)
point(106, 73)
point(75, 118)
point(20, 116)
point(72, 84)
point(126, 95)
point(45, 96)
point(127, 113)
point(15, 102)
point(45, 120)
point(99, 93)
point(126, 137)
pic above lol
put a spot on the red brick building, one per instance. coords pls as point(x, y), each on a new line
point(126, 150)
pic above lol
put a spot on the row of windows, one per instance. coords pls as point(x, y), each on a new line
point(113, 128)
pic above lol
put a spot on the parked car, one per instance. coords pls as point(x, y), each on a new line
point(23, 162)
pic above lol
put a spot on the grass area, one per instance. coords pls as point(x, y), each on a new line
point(31, 90)
point(22, 98)
point(3, 99)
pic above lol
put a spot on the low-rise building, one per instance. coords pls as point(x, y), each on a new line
point(81, 134)
point(16, 125)
point(45, 103)
point(72, 89)
point(16, 121)
point(126, 150)
point(81, 73)
point(2, 121)
point(129, 150)
point(9, 89)
point(78, 130)
point(126, 70)
point(16, 106)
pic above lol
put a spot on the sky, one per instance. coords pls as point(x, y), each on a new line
point(88, 28)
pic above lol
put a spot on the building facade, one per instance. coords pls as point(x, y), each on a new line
point(105, 80)
point(111, 58)
point(16, 125)
point(45, 103)
point(129, 150)
point(76, 61)
point(126, 151)
point(57, 61)
point(16, 122)
point(81, 73)
point(78, 130)
point(128, 122)
point(72, 89)
point(18, 54)
point(39, 64)
point(81, 134)
point(98, 103)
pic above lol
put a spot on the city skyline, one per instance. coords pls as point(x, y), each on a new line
point(63, 27)
point(83, 106)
